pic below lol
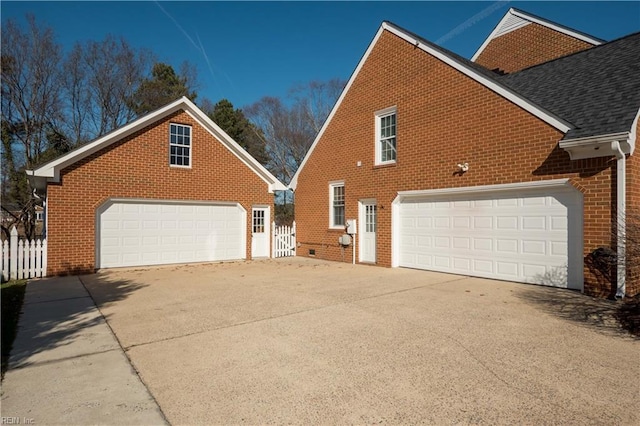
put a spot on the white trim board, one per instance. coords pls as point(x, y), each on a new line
point(51, 170)
point(503, 91)
point(515, 19)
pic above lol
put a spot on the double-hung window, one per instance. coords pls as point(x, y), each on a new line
point(336, 205)
point(386, 136)
point(179, 145)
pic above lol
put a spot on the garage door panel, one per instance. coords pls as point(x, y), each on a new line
point(139, 233)
point(516, 236)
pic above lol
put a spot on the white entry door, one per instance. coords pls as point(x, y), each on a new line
point(368, 225)
point(260, 232)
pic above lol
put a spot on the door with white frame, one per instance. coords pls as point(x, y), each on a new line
point(368, 225)
point(260, 221)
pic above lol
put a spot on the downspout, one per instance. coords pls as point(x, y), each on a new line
point(621, 195)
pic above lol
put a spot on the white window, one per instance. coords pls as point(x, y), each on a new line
point(258, 221)
point(336, 205)
point(179, 145)
point(386, 136)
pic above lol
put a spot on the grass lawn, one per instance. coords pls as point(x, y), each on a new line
point(12, 296)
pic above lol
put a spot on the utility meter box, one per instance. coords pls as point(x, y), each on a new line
point(344, 240)
point(351, 226)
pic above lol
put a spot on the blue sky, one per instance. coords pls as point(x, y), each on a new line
point(246, 50)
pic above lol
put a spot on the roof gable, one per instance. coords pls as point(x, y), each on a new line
point(50, 172)
point(474, 71)
point(515, 19)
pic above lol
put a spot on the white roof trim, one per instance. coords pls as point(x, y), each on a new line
point(51, 170)
point(556, 122)
point(507, 24)
point(294, 180)
point(519, 186)
point(598, 146)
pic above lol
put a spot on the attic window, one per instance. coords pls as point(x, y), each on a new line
point(179, 145)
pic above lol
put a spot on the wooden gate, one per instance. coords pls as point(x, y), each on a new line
point(284, 240)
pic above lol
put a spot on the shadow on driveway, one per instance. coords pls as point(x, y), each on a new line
point(605, 316)
point(59, 320)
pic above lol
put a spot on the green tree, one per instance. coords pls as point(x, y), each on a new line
point(163, 87)
point(236, 125)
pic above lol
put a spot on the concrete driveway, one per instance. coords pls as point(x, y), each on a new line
point(303, 341)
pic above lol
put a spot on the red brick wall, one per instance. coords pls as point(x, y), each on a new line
point(527, 46)
point(138, 167)
point(444, 118)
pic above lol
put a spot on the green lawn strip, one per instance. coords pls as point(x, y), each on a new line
point(12, 295)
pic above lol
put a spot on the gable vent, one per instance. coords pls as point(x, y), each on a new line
point(511, 23)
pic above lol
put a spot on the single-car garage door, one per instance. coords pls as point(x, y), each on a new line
point(155, 233)
point(528, 236)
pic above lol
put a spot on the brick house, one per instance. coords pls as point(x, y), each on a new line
point(447, 165)
point(169, 187)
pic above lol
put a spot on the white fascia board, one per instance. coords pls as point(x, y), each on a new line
point(598, 146)
point(294, 180)
point(215, 130)
point(493, 34)
point(548, 118)
point(560, 28)
point(51, 170)
point(519, 186)
point(499, 30)
point(511, 96)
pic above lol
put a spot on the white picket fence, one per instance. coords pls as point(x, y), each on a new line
point(23, 259)
point(284, 240)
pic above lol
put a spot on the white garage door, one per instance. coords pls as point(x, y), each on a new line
point(148, 233)
point(524, 236)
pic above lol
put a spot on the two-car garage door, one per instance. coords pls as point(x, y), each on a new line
point(155, 233)
point(525, 235)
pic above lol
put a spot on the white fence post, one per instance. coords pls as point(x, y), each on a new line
point(23, 258)
point(5, 260)
point(13, 247)
point(293, 238)
point(274, 240)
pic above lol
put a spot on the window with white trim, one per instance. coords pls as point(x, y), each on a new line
point(179, 145)
point(336, 205)
point(386, 136)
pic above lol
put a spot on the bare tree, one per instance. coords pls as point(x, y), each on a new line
point(30, 108)
point(30, 86)
point(316, 99)
point(289, 131)
point(288, 135)
point(78, 100)
point(113, 71)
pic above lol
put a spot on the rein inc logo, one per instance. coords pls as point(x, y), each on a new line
point(17, 421)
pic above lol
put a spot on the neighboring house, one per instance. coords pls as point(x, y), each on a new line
point(170, 187)
point(448, 166)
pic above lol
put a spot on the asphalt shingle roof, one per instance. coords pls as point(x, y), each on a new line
point(596, 90)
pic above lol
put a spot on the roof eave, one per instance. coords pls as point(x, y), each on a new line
point(534, 19)
point(50, 171)
point(556, 122)
point(598, 146)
